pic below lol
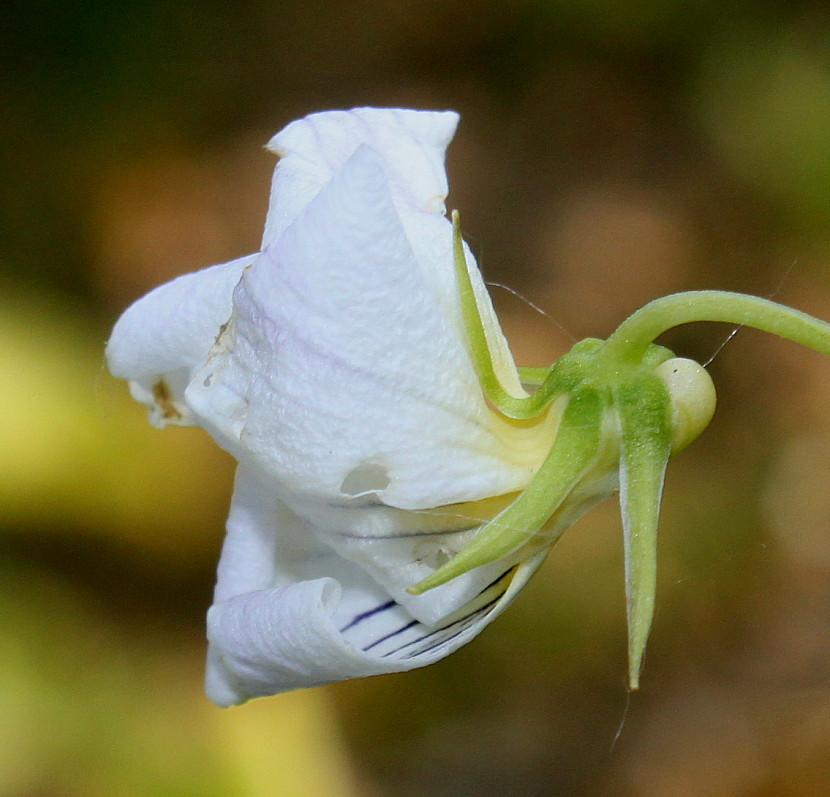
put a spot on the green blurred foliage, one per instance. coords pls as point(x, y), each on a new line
point(608, 153)
point(764, 98)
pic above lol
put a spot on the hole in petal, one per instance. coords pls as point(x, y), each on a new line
point(368, 477)
point(433, 556)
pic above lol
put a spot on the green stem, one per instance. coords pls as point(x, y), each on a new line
point(631, 339)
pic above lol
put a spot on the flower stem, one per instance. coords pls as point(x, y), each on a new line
point(631, 339)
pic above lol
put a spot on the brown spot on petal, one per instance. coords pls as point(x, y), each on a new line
point(164, 400)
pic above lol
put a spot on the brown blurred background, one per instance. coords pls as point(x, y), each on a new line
point(608, 153)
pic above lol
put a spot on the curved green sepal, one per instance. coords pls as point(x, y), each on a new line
point(645, 445)
point(574, 451)
point(551, 382)
point(479, 349)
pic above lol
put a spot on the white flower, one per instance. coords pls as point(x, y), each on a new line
point(356, 371)
point(333, 367)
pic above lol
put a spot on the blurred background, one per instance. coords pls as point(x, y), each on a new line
point(608, 153)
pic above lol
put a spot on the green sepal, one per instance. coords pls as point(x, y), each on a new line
point(574, 451)
point(552, 382)
point(645, 445)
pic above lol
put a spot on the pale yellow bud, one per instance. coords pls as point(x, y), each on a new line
point(692, 396)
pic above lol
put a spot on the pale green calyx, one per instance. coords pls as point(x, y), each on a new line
point(623, 406)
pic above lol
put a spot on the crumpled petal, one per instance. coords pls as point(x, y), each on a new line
point(412, 145)
point(338, 360)
point(161, 338)
point(290, 613)
point(312, 150)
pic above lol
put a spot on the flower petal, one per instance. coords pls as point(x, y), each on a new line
point(314, 149)
point(290, 614)
point(433, 249)
point(412, 145)
point(338, 362)
point(163, 336)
